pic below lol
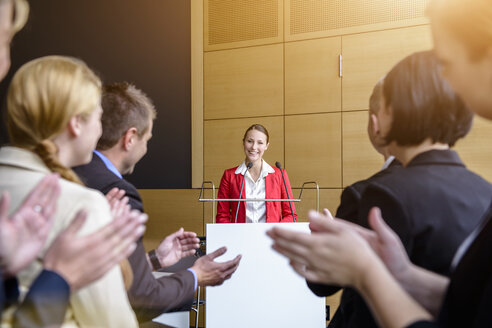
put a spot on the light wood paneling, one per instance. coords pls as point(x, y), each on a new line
point(169, 210)
point(321, 18)
point(360, 159)
point(244, 82)
point(312, 83)
point(224, 145)
point(313, 149)
point(196, 93)
point(333, 301)
point(235, 24)
point(369, 56)
point(328, 198)
point(475, 150)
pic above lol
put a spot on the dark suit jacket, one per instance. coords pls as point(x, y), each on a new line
point(44, 305)
point(432, 204)
point(148, 296)
point(348, 210)
point(468, 300)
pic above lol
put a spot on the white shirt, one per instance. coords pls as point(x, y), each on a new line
point(255, 211)
point(387, 163)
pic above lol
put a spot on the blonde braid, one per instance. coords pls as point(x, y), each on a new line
point(48, 152)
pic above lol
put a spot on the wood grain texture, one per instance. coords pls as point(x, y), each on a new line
point(369, 56)
point(312, 82)
point(360, 159)
point(313, 149)
point(244, 82)
point(169, 210)
point(475, 149)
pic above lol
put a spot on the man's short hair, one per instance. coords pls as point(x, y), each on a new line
point(124, 107)
point(423, 103)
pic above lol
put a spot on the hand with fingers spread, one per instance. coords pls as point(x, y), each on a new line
point(24, 233)
point(382, 239)
point(176, 246)
point(336, 256)
point(211, 273)
point(81, 260)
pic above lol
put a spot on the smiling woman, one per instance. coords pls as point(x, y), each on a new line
point(254, 178)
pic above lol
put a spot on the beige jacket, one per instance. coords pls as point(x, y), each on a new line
point(103, 303)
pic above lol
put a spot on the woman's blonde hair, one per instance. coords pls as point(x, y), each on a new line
point(44, 95)
point(470, 22)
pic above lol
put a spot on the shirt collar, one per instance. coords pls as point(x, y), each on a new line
point(265, 169)
point(108, 164)
point(388, 162)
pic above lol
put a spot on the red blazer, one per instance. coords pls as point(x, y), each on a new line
point(274, 189)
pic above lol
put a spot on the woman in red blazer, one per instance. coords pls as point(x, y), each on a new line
point(260, 181)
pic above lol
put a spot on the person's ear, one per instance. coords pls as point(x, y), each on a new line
point(129, 138)
point(268, 144)
point(75, 126)
point(374, 126)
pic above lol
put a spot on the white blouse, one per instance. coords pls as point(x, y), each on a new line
point(255, 211)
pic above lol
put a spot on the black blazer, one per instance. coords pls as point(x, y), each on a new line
point(44, 305)
point(349, 210)
point(148, 296)
point(468, 300)
point(432, 204)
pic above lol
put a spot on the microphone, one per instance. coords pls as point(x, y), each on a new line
point(250, 165)
point(277, 164)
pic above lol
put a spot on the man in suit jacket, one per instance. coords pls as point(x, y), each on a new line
point(127, 126)
point(349, 203)
point(433, 202)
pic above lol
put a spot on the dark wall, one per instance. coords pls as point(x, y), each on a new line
point(145, 42)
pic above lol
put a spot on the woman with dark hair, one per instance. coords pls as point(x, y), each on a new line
point(420, 118)
point(399, 292)
point(260, 181)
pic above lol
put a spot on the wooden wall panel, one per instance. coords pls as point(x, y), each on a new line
point(360, 159)
point(313, 149)
point(244, 82)
point(328, 198)
point(322, 18)
point(233, 24)
point(369, 56)
point(475, 150)
point(312, 83)
point(224, 146)
point(169, 210)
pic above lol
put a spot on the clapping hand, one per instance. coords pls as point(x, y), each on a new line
point(24, 233)
point(176, 246)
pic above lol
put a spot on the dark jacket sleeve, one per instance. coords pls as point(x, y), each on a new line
point(349, 204)
point(149, 296)
point(45, 303)
point(392, 211)
point(347, 210)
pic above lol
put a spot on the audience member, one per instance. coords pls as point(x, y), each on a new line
point(374, 262)
point(54, 122)
point(127, 121)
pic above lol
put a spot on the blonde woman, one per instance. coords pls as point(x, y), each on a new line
point(54, 123)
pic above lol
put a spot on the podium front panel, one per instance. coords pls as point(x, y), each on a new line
point(264, 291)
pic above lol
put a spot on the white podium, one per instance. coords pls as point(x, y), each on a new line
point(264, 291)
